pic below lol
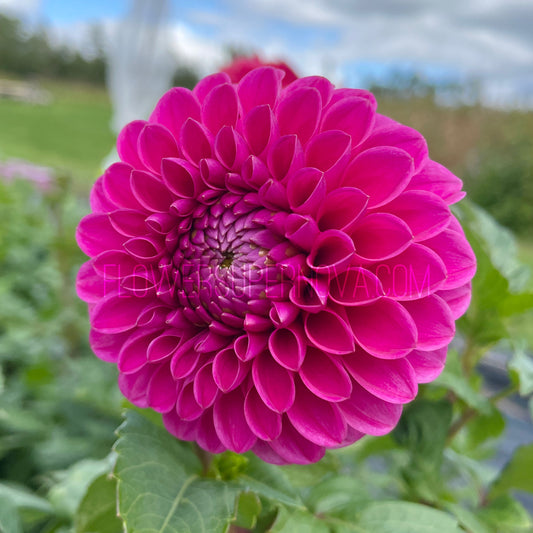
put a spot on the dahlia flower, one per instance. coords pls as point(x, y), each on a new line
point(241, 65)
point(273, 269)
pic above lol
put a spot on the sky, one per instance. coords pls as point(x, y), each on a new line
point(486, 41)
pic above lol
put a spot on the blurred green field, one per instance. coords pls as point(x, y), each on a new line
point(71, 134)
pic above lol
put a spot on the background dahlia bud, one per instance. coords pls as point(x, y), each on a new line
point(241, 65)
point(273, 269)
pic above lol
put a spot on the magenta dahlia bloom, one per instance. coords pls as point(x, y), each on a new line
point(273, 269)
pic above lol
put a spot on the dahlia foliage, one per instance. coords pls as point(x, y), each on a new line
point(273, 268)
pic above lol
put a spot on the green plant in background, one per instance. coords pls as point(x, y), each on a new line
point(60, 406)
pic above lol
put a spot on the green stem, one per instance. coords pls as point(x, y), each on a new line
point(471, 413)
point(206, 458)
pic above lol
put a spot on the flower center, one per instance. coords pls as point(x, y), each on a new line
point(221, 267)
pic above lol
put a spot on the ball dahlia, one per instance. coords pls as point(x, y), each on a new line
point(273, 269)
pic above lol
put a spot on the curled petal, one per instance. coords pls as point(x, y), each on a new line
point(369, 322)
point(264, 422)
point(260, 128)
point(298, 112)
point(230, 422)
point(413, 274)
point(181, 178)
point(306, 190)
point(128, 222)
point(329, 332)
point(195, 141)
point(353, 115)
point(434, 321)
point(424, 212)
point(186, 405)
point(393, 381)
point(321, 84)
point(134, 353)
point(294, 448)
point(427, 365)
point(134, 386)
point(150, 192)
point(285, 157)
point(341, 209)
point(228, 370)
point(155, 143)
point(174, 108)
point(164, 345)
point(332, 251)
point(127, 143)
point(287, 346)
point(382, 173)
point(249, 345)
point(329, 151)
point(117, 186)
point(107, 346)
point(162, 390)
point(95, 234)
point(205, 388)
point(230, 148)
point(90, 286)
point(379, 236)
point(399, 136)
point(355, 286)
point(259, 87)
point(369, 414)
point(274, 383)
point(309, 294)
point(317, 420)
point(220, 108)
point(457, 299)
point(301, 230)
point(207, 84)
point(325, 377)
point(435, 178)
point(458, 257)
point(116, 313)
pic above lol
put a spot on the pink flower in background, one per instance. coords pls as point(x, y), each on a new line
point(42, 177)
point(273, 269)
point(241, 65)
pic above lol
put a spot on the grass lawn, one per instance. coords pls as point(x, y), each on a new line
point(72, 133)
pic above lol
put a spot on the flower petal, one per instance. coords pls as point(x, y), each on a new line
point(393, 381)
point(162, 390)
point(287, 346)
point(369, 414)
point(273, 382)
point(341, 209)
point(435, 178)
point(383, 328)
point(230, 423)
point(264, 422)
point(298, 112)
point(427, 365)
point(379, 236)
point(155, 143)
point(329, 332)
point(355, 286)
point(220, 108)
point(174, 108)
point(382, 173)
point(434, 322)
point(260, 86)
point(315, 419)
point(325, 377)
point(95, 234)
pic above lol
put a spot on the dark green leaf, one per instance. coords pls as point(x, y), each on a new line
point(247, 511)
point(453, 378)
point(517, 473)
point(521, 370)
point(9, 517)
point(396, 517)
point(336, 493)
point(297, 521)
point(97, 512)
point(159, 484)
point(506, 515)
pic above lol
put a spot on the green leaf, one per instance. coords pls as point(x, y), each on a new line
point(517, 473)
point(506, 515)
point(422, 430)
point(482, 428)
point(248, 509)
point(73, 483)
point(30, 506)
point(97, 512)
point(9, 517)
point(521, 370)
point(269, 481)
point(297, 521)
point(159, 484)
point(452, 377)
point(335, 494)
point(467, 519)
point(396, 517)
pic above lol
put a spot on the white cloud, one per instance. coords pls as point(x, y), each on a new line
point(19, 7)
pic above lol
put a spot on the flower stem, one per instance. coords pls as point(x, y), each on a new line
point(206, 459)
